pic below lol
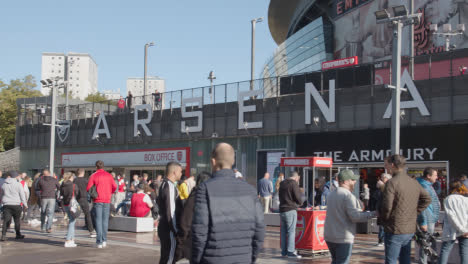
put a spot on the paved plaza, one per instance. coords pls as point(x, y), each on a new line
point(125, 247)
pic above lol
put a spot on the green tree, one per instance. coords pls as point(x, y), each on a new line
point(96, 98)
point(19, 88)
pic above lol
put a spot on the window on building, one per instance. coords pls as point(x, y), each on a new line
point(59, 58)
point(77, 85)
point(77, 78)
point(59, 71)
point(71, 78)
point(52, 71)
point(71, 71)
point(78, 58)
point(53, 58)
point(60, 64)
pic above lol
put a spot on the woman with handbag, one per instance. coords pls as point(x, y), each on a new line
point(69, 193)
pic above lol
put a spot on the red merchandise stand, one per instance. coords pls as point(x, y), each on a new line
point(310, 222)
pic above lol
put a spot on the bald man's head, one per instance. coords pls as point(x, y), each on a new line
point(222, 156)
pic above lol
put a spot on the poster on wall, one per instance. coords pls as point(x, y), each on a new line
point(273, 165)
point(358, 34)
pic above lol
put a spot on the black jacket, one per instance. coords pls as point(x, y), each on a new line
point(227, 224)
point(290, 195)
point(184, 232)
point(66, 191)
point(47, 186)
point(81, 183)
point(169, 205)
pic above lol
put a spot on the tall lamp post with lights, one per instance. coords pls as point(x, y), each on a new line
point(53, 123)
point(400, 19)
point(146, 65)
point(211, 77)
point(447, 32)
point(252, 51)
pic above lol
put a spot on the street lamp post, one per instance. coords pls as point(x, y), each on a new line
point(252, 51)
point(68, 63)
point(146, 64)
point(53, 121)
point(400, 19)
point(411, 41)
point(211, 77)
point(447, 32)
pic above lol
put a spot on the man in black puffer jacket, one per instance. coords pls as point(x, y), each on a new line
point(227, 225)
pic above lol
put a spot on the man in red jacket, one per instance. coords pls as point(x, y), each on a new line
point(105, 187)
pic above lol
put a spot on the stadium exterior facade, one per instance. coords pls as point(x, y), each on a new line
point(342, 113)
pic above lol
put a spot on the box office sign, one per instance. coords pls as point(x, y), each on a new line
point(151, 157)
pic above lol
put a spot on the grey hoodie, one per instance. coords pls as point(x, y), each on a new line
point(12, 193)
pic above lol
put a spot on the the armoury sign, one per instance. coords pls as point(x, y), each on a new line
point(311, 91)
point(377, 155)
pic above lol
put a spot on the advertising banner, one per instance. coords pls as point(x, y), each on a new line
point(358, 34)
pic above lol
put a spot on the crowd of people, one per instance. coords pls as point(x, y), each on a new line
point(219, 218)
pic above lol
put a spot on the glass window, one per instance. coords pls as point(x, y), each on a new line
point(53, 58)
point(59, 71)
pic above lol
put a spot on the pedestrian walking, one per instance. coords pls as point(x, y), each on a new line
point(455, 223)
point(343, 212)
point(82, 183)
point(428, 218)
point(105, 186)
point(403, 199)
point(69, 191)
point(184, 236)
point(13, 199)
point(168, 208)
point(227, 225)
point(48, 187)
point(33, 203)
point(265, 192)
point(290, 197)
point(384, 177)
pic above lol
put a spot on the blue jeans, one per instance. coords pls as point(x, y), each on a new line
point(381, 234)
point(288, 232)
point(47, 209)
point(398, 247)
point(101, 211)
point(447, 247)
point(340, 252)
point(71, 224)
point(422, 256)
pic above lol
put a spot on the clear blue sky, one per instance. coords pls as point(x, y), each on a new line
point(192, 38)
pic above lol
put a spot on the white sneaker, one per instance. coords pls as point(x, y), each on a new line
point(98, 246)
point(379, 245)
point(104, 244)
point(70, 244)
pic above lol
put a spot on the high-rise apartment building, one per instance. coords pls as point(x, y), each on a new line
point(79, 69)
point(153, 83)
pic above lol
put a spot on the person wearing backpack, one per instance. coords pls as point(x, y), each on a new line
point(105, 187)
point(69, 193)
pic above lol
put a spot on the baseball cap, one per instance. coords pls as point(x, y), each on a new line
point(347, 175)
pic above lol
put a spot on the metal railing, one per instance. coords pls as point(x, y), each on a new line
point(435, 66)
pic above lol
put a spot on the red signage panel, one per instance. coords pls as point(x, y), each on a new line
point(307, 162)
point(340, 63)
point(309, 230)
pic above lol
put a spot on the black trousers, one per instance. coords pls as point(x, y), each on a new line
point(11, 211)
point(87, 214)
point(167, 239)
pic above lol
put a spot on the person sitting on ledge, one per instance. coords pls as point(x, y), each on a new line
point(141, 203)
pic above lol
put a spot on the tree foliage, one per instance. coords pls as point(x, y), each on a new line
point(18, 88)
point(96, 98)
